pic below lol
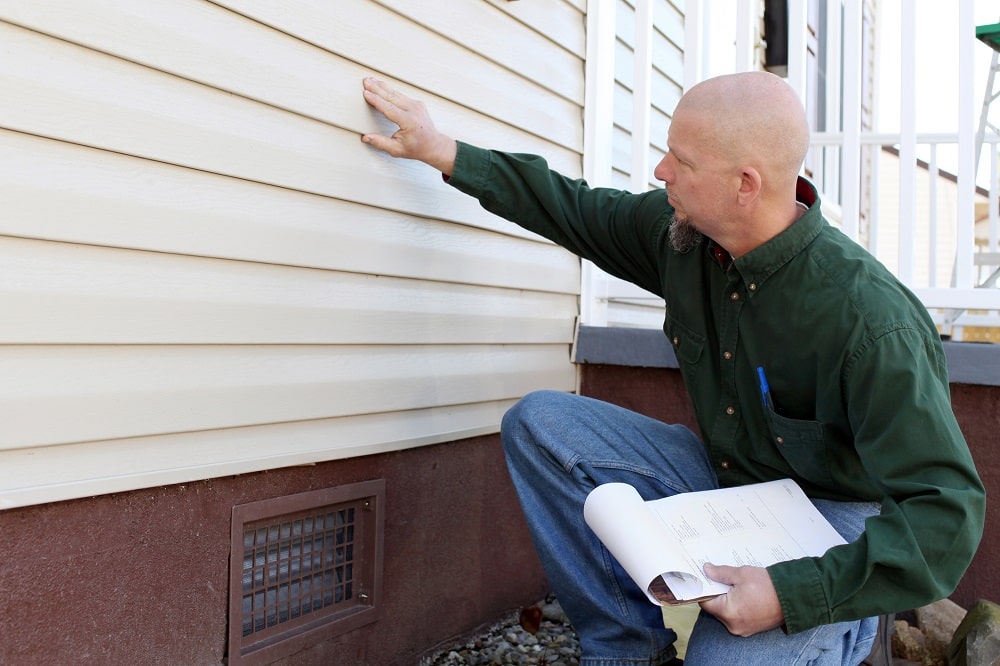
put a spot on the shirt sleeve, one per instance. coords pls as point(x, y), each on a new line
point(933, 509)
point(617, 230)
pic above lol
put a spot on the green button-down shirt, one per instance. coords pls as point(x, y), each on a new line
point(862, 409)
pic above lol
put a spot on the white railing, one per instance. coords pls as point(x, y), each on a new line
point(915, 223)
point(915, 205)
point(924, 216)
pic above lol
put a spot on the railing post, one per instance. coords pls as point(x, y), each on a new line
point(597, 132)
point(966, 168)
point(798, 27)
point(851, 159)
point(745, 32)
point(908, 141)
point(932, 209)
point(694, 44)
point(642, 72)
point(831, 156)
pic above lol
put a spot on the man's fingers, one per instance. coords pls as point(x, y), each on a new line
point(416, 138)
point(382, 105)
point(720, 573)
point(383, 143)
point(384, 98)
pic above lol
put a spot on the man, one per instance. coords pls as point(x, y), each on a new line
point(753, 277)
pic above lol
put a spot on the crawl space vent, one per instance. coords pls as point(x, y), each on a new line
point(303, 568)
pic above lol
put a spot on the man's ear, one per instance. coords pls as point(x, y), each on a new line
point(750, 184)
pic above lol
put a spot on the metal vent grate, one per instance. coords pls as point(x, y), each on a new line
point(303, 563)
point(297, 567)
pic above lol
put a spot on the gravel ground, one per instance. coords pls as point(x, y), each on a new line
point(507, 643)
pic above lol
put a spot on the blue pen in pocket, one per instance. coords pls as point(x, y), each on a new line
point(765, 389)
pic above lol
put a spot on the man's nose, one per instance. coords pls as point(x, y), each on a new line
point(662, 170)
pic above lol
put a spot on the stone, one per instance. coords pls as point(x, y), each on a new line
point(908, 642)
point(940, 620)
point(977, 640)
point(553, 612)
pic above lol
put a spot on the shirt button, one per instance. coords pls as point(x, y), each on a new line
point(727, 355)
point(752, 286)
point(730, 410)
point(724, 464)
point(779, 440)
point(735, 296)
point(677, 341)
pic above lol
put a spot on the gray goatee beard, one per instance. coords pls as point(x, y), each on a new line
point(683, 237)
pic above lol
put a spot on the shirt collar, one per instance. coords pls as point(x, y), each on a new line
point(761, 262)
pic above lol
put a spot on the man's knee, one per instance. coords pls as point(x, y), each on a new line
point(529, 414)
point(534, 406)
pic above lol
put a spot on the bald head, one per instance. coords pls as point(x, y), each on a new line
point(750, 118)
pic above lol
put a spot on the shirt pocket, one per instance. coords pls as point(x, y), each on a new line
point(688, 345)
point(802, 446)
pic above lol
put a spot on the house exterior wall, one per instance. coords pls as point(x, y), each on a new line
point(205, 272)
point(215, 294)
point(140, 576)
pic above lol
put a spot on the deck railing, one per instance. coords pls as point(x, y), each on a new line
point(911, 198)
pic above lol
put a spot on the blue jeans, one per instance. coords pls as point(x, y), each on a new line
point(560, 446)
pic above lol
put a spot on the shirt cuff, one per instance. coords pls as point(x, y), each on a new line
point(801, 594)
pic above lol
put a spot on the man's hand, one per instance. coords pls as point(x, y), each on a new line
point(750, 606)
point(416, 138)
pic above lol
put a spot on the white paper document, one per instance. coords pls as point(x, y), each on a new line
point(664, 544)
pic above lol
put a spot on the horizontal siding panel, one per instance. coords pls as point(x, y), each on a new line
point(65, 192)
point(624, 66)
point(620, 179)
point(360, 30)
point(61, 293)
point(625, 314)
point(209, 44)
point(108, 392)
point(203, 271)
point(621, 151)
point(54, 473)
point(481, 29)
point(659, 126)
point(563, 22)
point(668, 19)
point(119, 107)
point(668, 62)
point(625, 23)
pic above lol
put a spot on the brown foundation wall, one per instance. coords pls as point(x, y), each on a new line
point(142, 577)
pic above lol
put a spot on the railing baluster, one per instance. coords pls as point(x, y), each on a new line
point(932, 223)
point(907, 145)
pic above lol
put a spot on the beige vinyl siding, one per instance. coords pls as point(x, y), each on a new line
point(204, 272)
